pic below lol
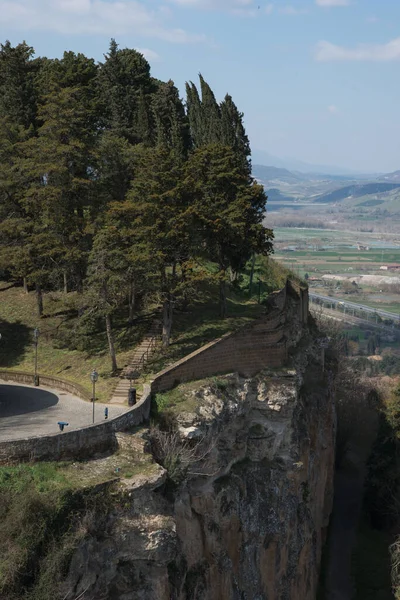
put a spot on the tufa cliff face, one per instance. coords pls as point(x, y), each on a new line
point(248, 522)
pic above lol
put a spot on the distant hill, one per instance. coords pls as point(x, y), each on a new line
point(275, 195)
point(392, 177)
point(260, 157)
point(356, 191)
point(264, 173)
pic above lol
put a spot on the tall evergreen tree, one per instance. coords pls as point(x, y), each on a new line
point(18, 92)
point(228, 208)
point(125, 87)
point(59, 161)
point(194, 113)
point(233, 133)
point(210, 114)
point(171, 123)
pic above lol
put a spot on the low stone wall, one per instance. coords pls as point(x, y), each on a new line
point(260, 345)
point(46, 381)
point(79, 443)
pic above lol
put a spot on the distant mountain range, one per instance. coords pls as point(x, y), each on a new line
point(392, 177)
point(260, 157)
point(356, 191)
point(264, 173)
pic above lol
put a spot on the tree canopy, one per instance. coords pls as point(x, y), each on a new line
point(114, 187)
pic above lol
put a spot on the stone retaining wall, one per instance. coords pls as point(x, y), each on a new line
point(262, 344)
point(47, 381)
point(79, 443)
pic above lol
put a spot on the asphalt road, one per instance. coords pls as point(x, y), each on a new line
point(353, 306)
point(27, 411)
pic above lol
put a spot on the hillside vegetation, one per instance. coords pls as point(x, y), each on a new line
point(118, 200)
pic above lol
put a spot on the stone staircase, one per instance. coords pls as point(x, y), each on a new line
point(137, 361)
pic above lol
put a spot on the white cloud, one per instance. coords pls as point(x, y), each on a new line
point(325, 51)
point(333, 109)
point(372, 19)
point(115, 17)
point(332, 2)
point(149, 54)
point(216, 4)
point(293, 11)
point(269, 8)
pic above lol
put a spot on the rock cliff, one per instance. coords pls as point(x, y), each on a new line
point(248, 521)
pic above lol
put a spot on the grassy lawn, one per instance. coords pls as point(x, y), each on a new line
point(18, 318)
point(193, 327)
point(201, 324)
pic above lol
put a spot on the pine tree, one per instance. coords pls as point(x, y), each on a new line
point(18, 92)
point(161, 225)
point(59, 162)
point(125, 87)
point(228, 208)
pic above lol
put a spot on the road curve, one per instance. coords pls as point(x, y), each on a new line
point(27, 411)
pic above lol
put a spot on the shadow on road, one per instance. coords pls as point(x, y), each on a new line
point(17, 400)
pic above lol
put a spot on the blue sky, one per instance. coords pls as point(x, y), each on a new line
point(318, 80)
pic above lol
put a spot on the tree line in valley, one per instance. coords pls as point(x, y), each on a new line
point(114, 187)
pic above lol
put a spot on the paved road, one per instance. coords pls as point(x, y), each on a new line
point(353, 306)
point(337, 315)
point(29, 411)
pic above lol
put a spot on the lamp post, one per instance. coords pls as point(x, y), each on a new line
point(36, 340)
point(94, 377)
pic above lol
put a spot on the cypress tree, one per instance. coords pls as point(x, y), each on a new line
point(233, 133)
point(210, 114)
point(171, 122)
point(194, 113)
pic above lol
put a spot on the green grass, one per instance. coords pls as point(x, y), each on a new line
point(63, 354)
point(201, 324)
point(18, 318)
point(48, 509)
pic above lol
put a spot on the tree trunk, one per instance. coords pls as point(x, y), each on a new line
point(65, 282)
point(132, 302)
point(222, 297)
point(253, 262)
point(25, 284)
point(39, 299)
point(167, 321)
point(79, 283)
point(111, 347)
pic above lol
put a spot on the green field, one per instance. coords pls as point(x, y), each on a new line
point(320, 252)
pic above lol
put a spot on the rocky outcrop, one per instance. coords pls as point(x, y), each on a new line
point(249, 520)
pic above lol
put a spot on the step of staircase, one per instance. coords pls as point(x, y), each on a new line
point(137, 360)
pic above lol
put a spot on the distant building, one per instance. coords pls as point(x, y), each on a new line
point(391, 267)
point(361, 247)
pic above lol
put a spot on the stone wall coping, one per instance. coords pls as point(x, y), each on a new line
point(48, 381)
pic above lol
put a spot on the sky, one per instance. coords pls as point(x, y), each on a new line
point(317, 80)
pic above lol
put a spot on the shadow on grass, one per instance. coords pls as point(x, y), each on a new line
point(15, 338)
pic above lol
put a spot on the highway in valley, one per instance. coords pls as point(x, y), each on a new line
point(352, 307)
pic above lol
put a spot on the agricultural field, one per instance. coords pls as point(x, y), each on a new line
point(351, 255)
